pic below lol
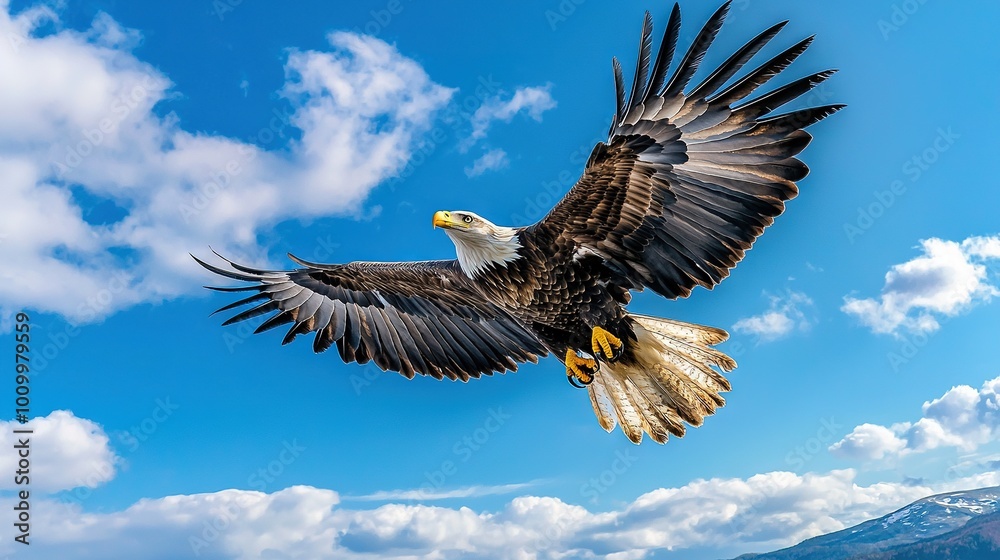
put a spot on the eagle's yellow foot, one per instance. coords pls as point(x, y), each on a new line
point(606, 344)
point(577, 368)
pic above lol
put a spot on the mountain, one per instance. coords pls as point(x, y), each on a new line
point(931, 520)
point(979, 539)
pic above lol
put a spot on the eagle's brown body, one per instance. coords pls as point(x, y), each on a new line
point(558, 296)
point(688, 179)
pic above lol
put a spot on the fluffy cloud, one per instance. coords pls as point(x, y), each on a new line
point(66, 452)
point(946, 279)
point(532, 100)
point(964, 418)
point(490, 161)
point(79, 123)
point(760, 512)
point(784, 316)
point(869, 442)
point(426, 495)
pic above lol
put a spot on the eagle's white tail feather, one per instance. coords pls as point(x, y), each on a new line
point(671, 380)
point(663, 419)
point(603, 406)
point(649, 417)
point(628, 417)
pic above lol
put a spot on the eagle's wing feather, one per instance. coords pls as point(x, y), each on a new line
point(687, 182)
point(413, 317)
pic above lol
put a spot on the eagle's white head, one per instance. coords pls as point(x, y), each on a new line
point(478, 242)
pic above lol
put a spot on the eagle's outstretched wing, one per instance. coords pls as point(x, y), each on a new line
point(413, 317)
point(687, 181)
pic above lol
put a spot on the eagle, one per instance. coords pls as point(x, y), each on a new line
point(687, 180)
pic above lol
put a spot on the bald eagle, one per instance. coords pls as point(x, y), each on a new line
point(679, 192)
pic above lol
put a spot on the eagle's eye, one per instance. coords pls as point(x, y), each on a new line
point(467, 219)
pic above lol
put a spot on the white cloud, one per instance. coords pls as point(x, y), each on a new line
point(424, 495)
point(761, 512)
point(64, 451)
point(869, 442)
point(964, 418)
point(784, 316)
point(532, 100)
point(490, 161)
point(947, 278)
point(80, 113)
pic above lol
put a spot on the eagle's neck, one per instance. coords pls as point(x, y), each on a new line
point(477, 252)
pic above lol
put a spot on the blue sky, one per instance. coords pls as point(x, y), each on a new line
point(862, 320)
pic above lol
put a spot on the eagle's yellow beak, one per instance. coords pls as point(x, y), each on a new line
point(443, 219)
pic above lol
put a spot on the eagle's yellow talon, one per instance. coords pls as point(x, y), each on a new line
point(606, 343)
point(579, 368)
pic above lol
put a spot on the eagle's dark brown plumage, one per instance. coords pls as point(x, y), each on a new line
point(684, 185)
point(415, 317)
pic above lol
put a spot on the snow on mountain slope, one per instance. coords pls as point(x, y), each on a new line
point(924, 519)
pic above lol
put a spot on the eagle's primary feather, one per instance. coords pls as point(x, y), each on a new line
point(684, 185)
point(415, 317)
